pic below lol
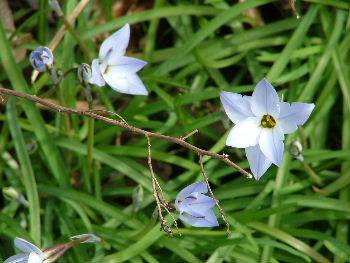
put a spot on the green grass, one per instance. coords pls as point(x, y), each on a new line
point(193, 51)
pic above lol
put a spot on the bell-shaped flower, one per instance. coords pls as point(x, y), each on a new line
point(117, 70)
point(261, 120)
point(41, 59)
point(194, 207)
point(31, 253)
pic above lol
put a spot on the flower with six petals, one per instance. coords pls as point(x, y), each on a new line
point(194, 207)
point(261, 120)
point(117, 70)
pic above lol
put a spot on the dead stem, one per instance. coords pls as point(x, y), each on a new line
point(228, 232)
point(189, 135)
point(155, 186)
point(123, 124)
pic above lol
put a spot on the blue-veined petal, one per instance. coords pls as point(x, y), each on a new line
point(292, 115)
point(19, 258)
point(257, 161)
point(237, 107)
point(96, 76)
point(26, 246)
point(126, 64)
point(265, 100)
point(271, 144)
point(246, 133)
point(115, 45)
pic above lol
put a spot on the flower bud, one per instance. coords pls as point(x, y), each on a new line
point(41, 59)
point(296, 149)
point(137, 198)
point(86, 238)
point(12, 194)
point(84, 73)
point(56, 7)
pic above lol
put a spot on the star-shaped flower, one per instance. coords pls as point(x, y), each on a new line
point(117, 70)
point(194, 207)
point(261, 122)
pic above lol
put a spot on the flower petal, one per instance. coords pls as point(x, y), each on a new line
point(265, 100)
point(198, 220)
point(244, 134)
point(116, 44)
point(199, 187)
point(237, 107)
point(293, 115)
point(257, 161)
point(96, 76)
point(35, 258)
point(19, 258)
point(126, 64)
point(125, 83)
point(197, 203)
point(271, 144)
point(26, 246)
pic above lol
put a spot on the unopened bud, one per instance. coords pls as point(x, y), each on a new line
point(86, 238)
point(84, 73)
point(137, 198)
point(41, 59)
point(296, 150)
point(56, 7)
point(12, 194)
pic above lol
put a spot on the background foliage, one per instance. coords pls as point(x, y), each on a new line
point(194, 49)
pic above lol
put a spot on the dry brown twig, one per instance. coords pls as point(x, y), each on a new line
point(123, 124)
point(156, 189)
point(228, 232)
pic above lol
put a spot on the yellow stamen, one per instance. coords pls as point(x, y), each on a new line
point(268, 121)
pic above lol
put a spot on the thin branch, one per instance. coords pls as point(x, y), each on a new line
point(189, 135)
point(122, 124)
point(228, 232)
point(155, 186)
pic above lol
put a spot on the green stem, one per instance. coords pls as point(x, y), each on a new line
point(77, 37)
point(90, 142)
point(314, 177)
point(27, 174)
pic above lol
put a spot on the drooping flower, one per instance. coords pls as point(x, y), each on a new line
point(194, 207)
point(33, 254)
point(261, 120)
point(117, 70)
point(41, 59)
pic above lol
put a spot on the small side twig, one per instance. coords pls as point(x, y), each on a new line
point(228, 232)
point(188, 135)
point(155, 189)
point(62, 109)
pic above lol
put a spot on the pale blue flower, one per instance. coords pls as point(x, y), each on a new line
point(261, 122)
point(32, 254)
point(194, 207)
point(117, 70)
point(41, 59)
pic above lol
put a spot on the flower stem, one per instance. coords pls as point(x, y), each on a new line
point(314, 177)
point(90, 141)
point(75, 34)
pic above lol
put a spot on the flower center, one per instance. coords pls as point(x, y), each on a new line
point(268, 121)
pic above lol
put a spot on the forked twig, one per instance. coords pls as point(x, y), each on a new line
point(228, 232)
point(123, 124)
point(155, 189)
